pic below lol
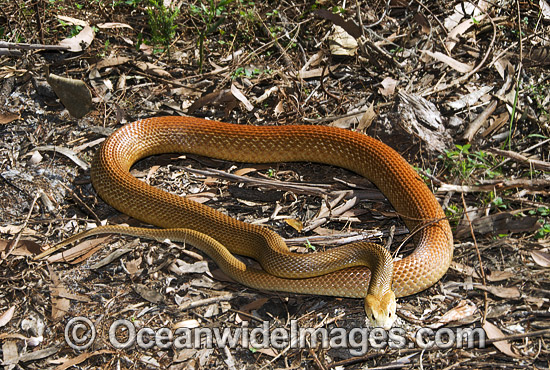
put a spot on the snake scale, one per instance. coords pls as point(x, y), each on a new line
point(343, 271)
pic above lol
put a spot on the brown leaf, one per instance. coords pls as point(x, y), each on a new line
point(152, 69)
point(465, 308)
point(60, 306)
point(202, 197)
point(465, 269)
point(349, 26)
point(503, 346)
point(367, 119)
point(294, 223)
point(133, 266)
point(74, 94)
point(541, 258)
point(73, 21)
point(190, 324)
point(499, 275)
point(254, 305)
point(80, 41)
point(81, 358)
point(499, 223)
point(7, 117)
point(148, 294)
point(110, 25)
point(388, 86)
point(240, 96)
point(539, 56)
point(110, 62)
point(14, 230)
point(341, 43)
point(315, 73)
point(451, 62)
point(24, 247)
point(245, 171)
point(423, 22)
point(217, 98)
point(7, 316)
point(78, 250)
point(502, 292)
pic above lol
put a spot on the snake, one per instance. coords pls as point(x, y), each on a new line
point(360, 270)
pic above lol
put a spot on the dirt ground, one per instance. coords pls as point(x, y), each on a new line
point(461, 90)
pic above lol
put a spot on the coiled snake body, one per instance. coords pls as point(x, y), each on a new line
point(337, 272)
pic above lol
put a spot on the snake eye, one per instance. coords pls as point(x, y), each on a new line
point(390, 314)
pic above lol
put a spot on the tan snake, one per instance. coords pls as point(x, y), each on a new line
point(342, 271)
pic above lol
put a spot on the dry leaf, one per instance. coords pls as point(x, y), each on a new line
point(14, 230)
point(148, 294)
point(294, 223)
point(133, 266)
point(78, 250)
point(81, 358)
point(267, 351)
point(10, 354)
point(24, 247)
point(348, 26)
point(80, 41)
point(455, 28)
point(240, 96)
point(493, 332)
point(36, 158)
point(267, 93)
point(315, 73)
point(465, 269)
point(347, 122)
point(60, 306)
point(190, 324)
point(504, 67)
point(464, 309)
point(152, 69)
point(545, 9)
point(499, 275)
point(202, 197)
point(470, 99)
point(7, 117)
point(388, 86)
point(73, 21)
point(342, 43)
point(502, 292)
point(74, 94)
point(245, 171)
point(541, 258)
point(7, 316)
point(367, 119)
point(539, 56)
point(279, 108)
point(423, 22)
point(109, 25)
point(110, 62)
point(453, 63)
point(254, 305)
point(181, 267)
point(217, 98)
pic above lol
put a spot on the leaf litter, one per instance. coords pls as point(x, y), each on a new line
point(423, 87)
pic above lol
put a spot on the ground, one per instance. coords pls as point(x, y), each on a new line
point(461, 90)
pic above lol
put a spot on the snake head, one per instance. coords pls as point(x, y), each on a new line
point(381, 311)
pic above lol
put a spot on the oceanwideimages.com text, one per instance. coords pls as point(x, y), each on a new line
point(80, 333)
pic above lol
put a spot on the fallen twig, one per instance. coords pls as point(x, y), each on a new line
point(534, 163)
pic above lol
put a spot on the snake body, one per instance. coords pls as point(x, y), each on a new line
point(397, 180)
